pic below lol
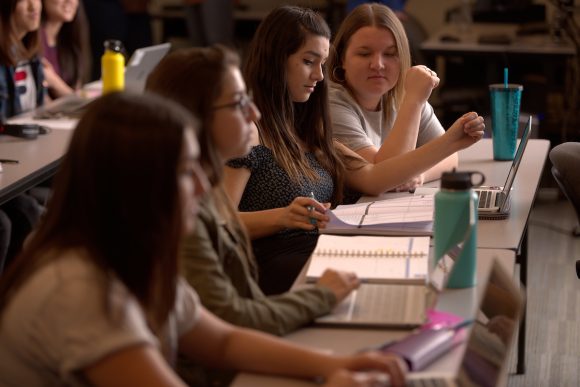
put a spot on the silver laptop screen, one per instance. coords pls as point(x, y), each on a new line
point(493, 333)
point(516, 163)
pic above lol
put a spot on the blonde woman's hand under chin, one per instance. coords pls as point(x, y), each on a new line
point(304, 213)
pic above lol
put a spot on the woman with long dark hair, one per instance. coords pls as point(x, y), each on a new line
point(65, 46)
point(96, 297)
point(296, 156)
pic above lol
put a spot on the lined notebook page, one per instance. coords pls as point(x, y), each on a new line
point(372, 258)
point(408, 215)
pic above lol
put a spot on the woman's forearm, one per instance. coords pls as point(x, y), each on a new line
point(261, 224)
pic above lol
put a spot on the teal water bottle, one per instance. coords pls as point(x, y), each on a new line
point(455, 226)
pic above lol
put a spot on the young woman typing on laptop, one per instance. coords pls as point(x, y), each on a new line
point(217, 255)
point(96, 297)
point(295, 155)
point(65, 46)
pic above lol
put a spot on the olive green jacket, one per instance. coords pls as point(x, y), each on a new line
point(216, 265)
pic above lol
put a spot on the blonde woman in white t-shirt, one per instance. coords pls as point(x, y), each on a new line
point(378, 101)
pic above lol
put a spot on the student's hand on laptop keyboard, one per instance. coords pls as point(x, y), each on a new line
point(392, 368)
point(341, 283)
point(344, 378)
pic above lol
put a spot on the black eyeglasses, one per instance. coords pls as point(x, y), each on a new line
point(244, 104)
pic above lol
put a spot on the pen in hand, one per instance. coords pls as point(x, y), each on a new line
point(310, 209)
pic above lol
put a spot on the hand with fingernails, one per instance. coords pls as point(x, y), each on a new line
point(419, 82)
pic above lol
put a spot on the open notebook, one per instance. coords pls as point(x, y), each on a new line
point(140, 65)
point(489, 339)
point(373, 258)
point(402, 305)
point(408, 215)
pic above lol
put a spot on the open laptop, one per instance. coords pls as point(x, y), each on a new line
point(142, 62)
point(380, 306)
point(490, 338)
point(391, 305)
point(140, 65)
point(494, 202)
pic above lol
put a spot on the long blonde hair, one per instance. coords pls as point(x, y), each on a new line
point(371, 15)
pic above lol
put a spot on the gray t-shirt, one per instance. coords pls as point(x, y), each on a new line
point(55, 325)
point(358, 128)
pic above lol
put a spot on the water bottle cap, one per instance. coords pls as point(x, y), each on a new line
point(113, 45)
point(460, 180)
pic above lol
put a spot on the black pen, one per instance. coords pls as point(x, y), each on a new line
point(9, 161)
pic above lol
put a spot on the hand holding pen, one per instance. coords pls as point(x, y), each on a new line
point(304, 213)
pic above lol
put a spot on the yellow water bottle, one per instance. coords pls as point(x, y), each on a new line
point(113, 67)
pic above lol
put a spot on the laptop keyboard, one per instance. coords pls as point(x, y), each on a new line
point(485, 199)
point(390, 303)
point(428, 382)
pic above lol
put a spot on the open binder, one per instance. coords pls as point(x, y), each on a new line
point(409, 215)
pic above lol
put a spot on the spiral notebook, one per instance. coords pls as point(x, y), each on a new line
point(373, 258)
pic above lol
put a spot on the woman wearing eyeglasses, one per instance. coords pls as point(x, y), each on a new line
point(217, 256)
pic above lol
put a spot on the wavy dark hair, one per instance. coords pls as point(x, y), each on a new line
point(73, 48)
point(284, 124)
point(116, 198)
point(13, 50)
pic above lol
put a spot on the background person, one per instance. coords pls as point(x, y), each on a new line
point(21, 89)
point(65, 46)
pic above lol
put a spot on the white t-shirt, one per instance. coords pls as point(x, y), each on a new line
point(25, 86)
point(358, 128)
point(56, 325)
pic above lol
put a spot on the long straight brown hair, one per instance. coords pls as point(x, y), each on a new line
point(73, 48)
point(284, 124)
point(116, 198)
point(194, 77)
point(13, 50)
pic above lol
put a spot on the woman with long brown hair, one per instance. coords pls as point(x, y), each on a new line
point(217, 256)
point(295, 155)
point(65, 46)
point(96, 297)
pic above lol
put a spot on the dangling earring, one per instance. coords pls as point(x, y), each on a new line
point(338, 74)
